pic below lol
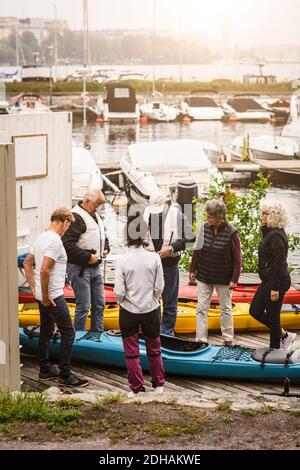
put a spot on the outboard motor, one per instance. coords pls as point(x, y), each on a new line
point(186, 191)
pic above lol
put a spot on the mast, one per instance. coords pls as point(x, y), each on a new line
point(55, 42)
point(180, 49)
point(86, 58)
point(17, 47)
point(153, 47)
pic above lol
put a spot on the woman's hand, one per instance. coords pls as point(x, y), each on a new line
point(274, 295)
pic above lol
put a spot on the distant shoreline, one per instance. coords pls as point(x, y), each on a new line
point(144, 87)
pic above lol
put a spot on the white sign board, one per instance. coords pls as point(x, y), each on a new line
point(31, 153)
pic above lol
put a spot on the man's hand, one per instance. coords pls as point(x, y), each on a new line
point(105, 253)
point(232, 285)
point(165, 252)
point(192, 277)
point(274, 295)
point(93, 260)
point(47, 301)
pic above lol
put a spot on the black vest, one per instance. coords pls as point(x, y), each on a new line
point(215, 264)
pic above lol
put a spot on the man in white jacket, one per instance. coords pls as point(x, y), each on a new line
point(169, 233)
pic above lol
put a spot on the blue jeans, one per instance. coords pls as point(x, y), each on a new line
point(89, 291)
point(61, 316)
point(170, 299)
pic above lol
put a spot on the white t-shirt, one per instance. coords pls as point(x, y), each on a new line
point(49, 244)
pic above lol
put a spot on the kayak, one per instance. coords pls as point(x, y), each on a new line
point(186, 317)
point(242, 294)
point(180, 356)
point(25, 295)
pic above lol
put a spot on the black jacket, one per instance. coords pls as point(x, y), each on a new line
point(272, 257)
point(75, 254)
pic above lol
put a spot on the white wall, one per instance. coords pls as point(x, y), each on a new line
point(48, 192)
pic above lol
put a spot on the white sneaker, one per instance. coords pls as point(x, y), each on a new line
point(287, 342)
point(158, 390)
point(134, 395)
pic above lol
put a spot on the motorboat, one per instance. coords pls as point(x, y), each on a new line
point(27, 103)
point(180, 356)
point(4, 107)
point(119, 104)
point(246, 108)
point(201, 107)
point(163, 164)
point(265, 147)
point(85, 173)
point(158, 111)
point(292, 129)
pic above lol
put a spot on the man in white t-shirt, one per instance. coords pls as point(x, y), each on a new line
point(47, 284)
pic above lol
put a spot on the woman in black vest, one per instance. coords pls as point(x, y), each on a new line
point(216, 263)
point(273, 272)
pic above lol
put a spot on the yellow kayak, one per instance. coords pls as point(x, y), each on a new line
point(186, 318)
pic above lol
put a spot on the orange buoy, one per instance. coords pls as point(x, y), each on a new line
point(100, 120)
point(143, 120)
point(273, 120)
point(186, 119)
point(233, 118)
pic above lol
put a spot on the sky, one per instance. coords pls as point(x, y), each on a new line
point(250, 22)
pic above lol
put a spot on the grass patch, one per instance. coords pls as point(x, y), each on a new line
point(26, 407)
point(227, 419)
point(112, 397)
point(67, 403)
point(225, 406)
point(163, 429)
point(295, 412)
point(250, 412)
point(266, 410)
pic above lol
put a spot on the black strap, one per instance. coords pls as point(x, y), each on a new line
point(287, 359)
point(154, 355)
point(132, 357)
point(264, 356)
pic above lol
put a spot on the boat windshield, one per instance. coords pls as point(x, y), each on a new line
point(242, 105)
point(201, 102)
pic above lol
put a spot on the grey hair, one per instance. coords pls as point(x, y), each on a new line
point(277, 214)
point(216, 208)
point(93, 194)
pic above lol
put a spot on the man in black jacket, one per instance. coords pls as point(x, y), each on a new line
point(86, 245)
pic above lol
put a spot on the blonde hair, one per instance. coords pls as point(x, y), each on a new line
point(277, 214)
point(62, 214)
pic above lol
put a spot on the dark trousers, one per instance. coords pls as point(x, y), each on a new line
point(60, 316)
point(149, 323)
point(170, 299)
point(267, 312)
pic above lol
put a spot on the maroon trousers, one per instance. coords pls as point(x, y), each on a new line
point(149, 323)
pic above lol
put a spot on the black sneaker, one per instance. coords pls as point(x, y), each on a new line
point(53, 373)
point(72, 381)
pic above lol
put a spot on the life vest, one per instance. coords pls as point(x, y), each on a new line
point(94, 236)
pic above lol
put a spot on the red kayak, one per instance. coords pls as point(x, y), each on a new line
point(242, 294)
point(26, 297)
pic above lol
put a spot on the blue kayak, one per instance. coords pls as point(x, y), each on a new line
point(180, 356)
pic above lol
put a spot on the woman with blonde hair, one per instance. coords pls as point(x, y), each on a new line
point(273, 272)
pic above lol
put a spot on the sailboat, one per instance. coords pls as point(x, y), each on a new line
point(155, 109)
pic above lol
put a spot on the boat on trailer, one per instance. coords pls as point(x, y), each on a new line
point(180, 356)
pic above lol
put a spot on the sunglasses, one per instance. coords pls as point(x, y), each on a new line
point(265, 213)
